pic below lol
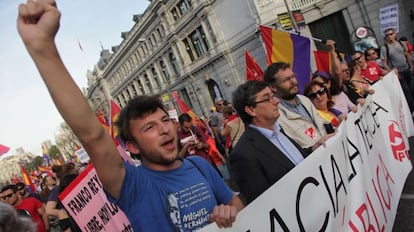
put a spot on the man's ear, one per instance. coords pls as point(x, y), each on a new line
point(274, 90)
point(250, 110)
point(132, 147)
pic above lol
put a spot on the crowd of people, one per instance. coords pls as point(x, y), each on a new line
point(246, 146)
point(43, 208)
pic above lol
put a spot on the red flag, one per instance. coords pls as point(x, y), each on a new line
point(185, 109)
point(212, 150)
point(253, 70)
point(3, 149)
point(115, 110)
point(27, 180)
point(323, 61)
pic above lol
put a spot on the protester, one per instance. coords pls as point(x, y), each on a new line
point(264, 153)
point(371, 54)
point(66, 222)
point(52, 208)
point(11, 221)
point(31, 206)
point(394, 55)
point(360, 84)
point(143, 193)
point(321, 98)
point(216, 125)
point(24, 193)
point(369, 69)
point(192, 140)
point(47, 184)
point(233, 127)
point(298, 116)
point(342, 74)
point(340, 100)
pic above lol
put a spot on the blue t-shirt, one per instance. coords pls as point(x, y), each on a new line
point(174, 200)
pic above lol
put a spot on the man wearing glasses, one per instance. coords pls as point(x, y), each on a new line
point(298, 116)
point(394, 55)
point(264, 153)
point(33, 207)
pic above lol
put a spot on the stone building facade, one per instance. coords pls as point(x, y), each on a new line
point(197, 47)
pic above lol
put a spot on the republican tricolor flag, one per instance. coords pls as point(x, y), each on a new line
point(290, 48)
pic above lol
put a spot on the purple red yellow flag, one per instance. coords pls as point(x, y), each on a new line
point(290, 48)
point(253, 70)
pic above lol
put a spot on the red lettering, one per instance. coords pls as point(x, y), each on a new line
point(398, 147)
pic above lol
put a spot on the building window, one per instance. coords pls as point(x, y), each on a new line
point(156, 78)
point(196, 43)
point(173, 61)
point(147, 82)
point(164, 71)
point(174, 13)
point(188, 48)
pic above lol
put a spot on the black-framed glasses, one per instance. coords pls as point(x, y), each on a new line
point(389, 34)
point(320, 92)
point(269, 98)
point(5, 197)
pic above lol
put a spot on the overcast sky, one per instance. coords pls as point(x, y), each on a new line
point(28, 116)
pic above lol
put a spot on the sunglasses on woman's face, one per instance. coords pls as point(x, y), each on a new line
point(320, 92)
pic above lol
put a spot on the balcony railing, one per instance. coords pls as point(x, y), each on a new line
point(299, 4)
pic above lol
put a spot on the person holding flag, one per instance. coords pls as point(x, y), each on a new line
point(146, 128)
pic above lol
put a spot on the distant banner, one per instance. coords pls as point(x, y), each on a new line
point(389, 18)
point(86, 202)
point(353, 184)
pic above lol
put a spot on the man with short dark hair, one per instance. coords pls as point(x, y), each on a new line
point(31, 206)
point(264, 153)
point(298, 116)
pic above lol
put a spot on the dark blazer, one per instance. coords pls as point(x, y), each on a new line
point(256, 164)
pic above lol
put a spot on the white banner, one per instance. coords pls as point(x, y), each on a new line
point(353, 184)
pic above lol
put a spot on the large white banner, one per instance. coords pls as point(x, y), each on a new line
point(352, 184)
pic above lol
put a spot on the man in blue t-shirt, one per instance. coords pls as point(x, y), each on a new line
point(165, 193)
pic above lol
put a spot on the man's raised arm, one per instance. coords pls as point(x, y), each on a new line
point(38, 23)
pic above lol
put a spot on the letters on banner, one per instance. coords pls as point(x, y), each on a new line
point(86, 202)
point(352, 184)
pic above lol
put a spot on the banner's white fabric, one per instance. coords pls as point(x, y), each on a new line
point(352, 184)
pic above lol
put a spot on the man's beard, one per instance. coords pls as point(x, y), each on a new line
point(289, 97)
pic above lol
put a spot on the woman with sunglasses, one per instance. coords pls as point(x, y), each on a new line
point(320, 97)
